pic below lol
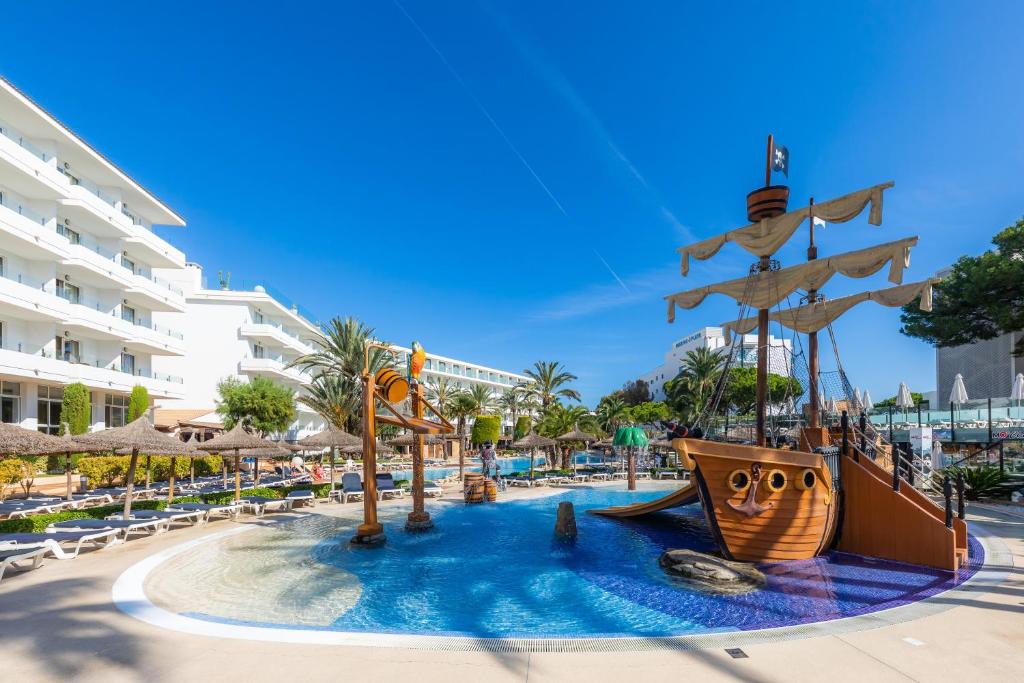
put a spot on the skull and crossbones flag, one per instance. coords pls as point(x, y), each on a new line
point(780, 159)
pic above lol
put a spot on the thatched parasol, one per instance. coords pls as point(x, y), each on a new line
point(533, 441)
point(236, 439)
point(19, 441)
point(358, 448)
point(576, 435)
point(139, 435)
point(332, 438)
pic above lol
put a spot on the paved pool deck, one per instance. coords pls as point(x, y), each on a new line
point(59, 624)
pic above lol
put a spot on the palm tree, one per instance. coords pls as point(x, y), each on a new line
point(440, 392)
point(338, 359)
point(560, 419)
point(612, 411)
point(482, 397)
point(513, 402)
point(460, 408)
point(690, 391)
point(332, 397)
point(548, 383)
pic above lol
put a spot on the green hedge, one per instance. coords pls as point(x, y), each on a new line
point(523, 424)
point(486, 428)
point(38, 523)
point(111, 470)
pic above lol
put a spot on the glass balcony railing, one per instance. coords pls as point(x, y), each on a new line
point(7, 203)
point(112, 365)
point(19, 140)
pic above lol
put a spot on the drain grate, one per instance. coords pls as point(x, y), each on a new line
point(736, 653)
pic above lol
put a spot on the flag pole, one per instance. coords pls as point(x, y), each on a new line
point(768, 161)
point(812, 337)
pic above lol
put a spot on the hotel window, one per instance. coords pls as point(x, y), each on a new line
point(10, 402)
point(128, 263)
point(68, 350)
point(428, 365)
point(471, 373)
point(128, 363)
point(115, 411)
point(442, 366)
point(68, 291)
point(128, 313)
point(48, 409)
point(258, 351)
point(65, 231)
point(257, 318)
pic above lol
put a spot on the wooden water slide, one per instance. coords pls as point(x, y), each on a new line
point(678, 498)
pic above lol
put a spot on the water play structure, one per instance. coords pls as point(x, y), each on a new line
point(388, 388)
point(767, 504)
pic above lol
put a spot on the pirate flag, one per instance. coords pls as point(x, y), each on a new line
point(780, 159)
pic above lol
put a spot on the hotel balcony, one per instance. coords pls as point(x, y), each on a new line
point(274, 335)
point(274, 369)
point(26, 171)
point(25, 301)
point(89, 319)
point(93, 373)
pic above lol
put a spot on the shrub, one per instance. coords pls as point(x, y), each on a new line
point(981, 482)
point(12, 471)
point(207, 465)
point(138, 403)
point(486, 428)
point(523, 424)
point(74, 411)
point(104, 470)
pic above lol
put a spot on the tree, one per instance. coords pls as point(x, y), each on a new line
point(513, 402)
point(259, 404)
point(339, 355)
point(650, 412)
point(688, 393)
point(980, 299)
point(482, 397)
point(138, 402)
point(559, 419)
point(636, 392)
point(486, 428)
point(741, 389)
point(440, 392)
point(891, 401)
point(75, 410)
point(549, 380)
point(460, 409)
point(329, 396)
point(612, 412)
point(522, 428)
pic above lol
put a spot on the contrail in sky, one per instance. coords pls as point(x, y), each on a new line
point(498, 129)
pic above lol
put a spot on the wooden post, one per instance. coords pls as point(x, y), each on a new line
point(910, 464)
point(812, 338)
point(863, 433)
point(370, 529)
point(760, 437)
point(419, 518)
point(919, 415)
point(989, 420)
point(768, 161)
point(952, 423)
point(170, 482)
point(238, 477)
point(130, 483)
point(148, 471)
point(890, 428)
point(1001, 469)
point(67, 474)
point(224, 471)
point(332, 469)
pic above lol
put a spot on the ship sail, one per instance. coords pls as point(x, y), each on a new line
point(814, 316)
point(765, 238)
point(768, 288)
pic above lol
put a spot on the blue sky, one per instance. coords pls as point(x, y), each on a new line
point(508, 181)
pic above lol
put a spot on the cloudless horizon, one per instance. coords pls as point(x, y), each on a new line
point(508, 182)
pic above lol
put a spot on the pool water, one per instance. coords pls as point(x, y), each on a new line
point(496, 571)
point(507, 465)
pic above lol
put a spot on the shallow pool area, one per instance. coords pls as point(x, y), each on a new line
point(495, 571)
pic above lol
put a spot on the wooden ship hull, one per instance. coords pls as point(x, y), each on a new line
point(763, 504)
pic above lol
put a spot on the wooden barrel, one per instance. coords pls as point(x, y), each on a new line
point(473, 487)
point(394, 387)
point(490, 490)
point(767, 202)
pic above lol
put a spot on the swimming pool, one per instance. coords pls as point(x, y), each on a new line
point(496, 571)
point(507, 465)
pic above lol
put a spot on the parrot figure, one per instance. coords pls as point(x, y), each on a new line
point(417, 360)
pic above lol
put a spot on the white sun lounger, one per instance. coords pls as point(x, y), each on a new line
point(259, 505)
point(147, 526)
point(223, 510)
point(170, 516)
point(13, 557)
point(66, 544)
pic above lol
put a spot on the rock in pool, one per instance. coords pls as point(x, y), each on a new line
point(711, 574)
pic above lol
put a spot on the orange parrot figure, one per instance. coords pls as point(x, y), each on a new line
point(417, 360)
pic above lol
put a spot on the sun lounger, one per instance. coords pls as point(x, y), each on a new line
point(301, 497)
point(67, 544)
point(259, 505)
point(599, 476)
point(520, 481)
point(432, 489)
point(224, 510)
point(170, 516)
point(147, 526)
point(13, 557)
point(386, 486)
point(19, 510)
point(619, 475)
point(351, 487)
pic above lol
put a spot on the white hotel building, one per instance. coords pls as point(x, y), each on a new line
point(88, 293)
point(77, 292)
point(780, 355)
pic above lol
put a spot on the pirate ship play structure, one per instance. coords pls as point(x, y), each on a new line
point(839, 488)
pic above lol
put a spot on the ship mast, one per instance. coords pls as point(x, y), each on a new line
point(812, 337)
point(756, 211)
